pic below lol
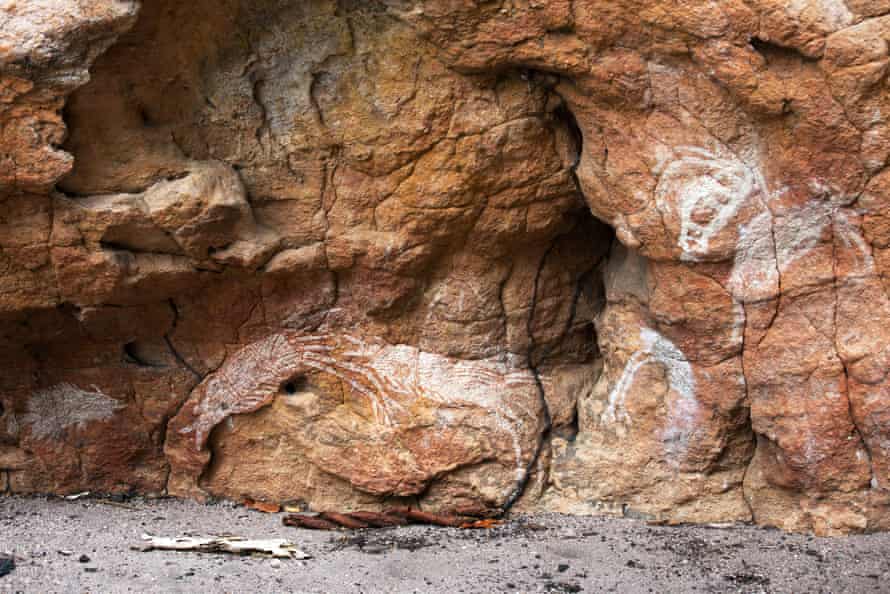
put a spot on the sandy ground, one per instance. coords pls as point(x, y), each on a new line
point(84, 546)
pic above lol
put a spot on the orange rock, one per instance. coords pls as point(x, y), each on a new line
point(347, 254)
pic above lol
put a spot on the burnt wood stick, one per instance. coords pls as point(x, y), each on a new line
point(421, 517)
point(379, 519)
point(344, 520)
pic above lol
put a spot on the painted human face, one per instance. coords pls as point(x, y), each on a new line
point(701, 193)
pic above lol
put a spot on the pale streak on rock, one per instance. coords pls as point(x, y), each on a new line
point(754, 273)
point(681, 419)
point(833, 13)
point(53, 410)
point(852, 237)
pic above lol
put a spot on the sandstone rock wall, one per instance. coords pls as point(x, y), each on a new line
point(597, 257)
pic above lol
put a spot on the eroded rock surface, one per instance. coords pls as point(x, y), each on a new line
point(350, 252)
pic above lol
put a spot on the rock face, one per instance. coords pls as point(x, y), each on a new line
point(585, 256)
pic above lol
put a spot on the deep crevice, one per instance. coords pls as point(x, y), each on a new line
point(547, 421)
point(317, 78)
point(749, 423)
point(256, 92)
point(179, 358)
point(562, 116)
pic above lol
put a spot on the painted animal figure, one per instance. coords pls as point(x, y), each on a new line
point(399, 393)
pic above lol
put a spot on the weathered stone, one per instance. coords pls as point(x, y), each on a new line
point(343, 252)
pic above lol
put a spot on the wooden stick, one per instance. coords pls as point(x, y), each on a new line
point(421, 517)
point(379, 519)
point(275, 547)
point(344, 520)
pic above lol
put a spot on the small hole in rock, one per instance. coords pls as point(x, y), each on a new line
point(772, 52)
point(2, 409)
point(133, 353)
point(146, 118)
point(293, 386)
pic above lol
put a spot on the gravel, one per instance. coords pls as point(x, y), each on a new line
point(84, 546)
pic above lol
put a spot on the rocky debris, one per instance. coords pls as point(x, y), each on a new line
point(580, 256)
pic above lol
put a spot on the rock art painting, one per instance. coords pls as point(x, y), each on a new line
point(681, 416)
point(392, 390)
point(704, 193)
point(468, 256)
point(54, 410)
